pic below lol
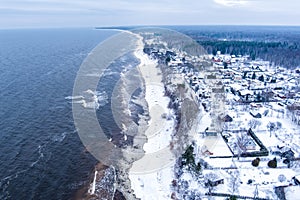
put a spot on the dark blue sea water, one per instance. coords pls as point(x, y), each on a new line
point(41, 155)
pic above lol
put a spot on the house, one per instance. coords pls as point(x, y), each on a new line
point(210, 132)
point(170, 54)
point(255, 114)
point(246, 92)
point(218, 89)
point(210, 183)
point(237, 98)
point(255, 105)
point(227, 118)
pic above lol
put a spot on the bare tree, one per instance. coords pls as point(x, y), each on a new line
point(271, 126)
point(234, 182)
point(210, 177)
point(241, 141)
point(253, 123)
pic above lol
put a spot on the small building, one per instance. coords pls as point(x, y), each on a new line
point(227, 118)
point(210, 132)
point(210, 183)
point(296, 179)
point(246, 92)
point(255, 105)
point(255, 114)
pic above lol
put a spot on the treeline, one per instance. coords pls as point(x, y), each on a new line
point(238, 47)
point(277, 44)
point(279, 53)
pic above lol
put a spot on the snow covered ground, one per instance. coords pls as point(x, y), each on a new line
point(214, 144)
point(240, 177)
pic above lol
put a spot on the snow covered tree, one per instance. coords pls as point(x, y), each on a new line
point(244, 75)
point(261, 78)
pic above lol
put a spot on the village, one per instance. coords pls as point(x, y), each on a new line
point(246, 144)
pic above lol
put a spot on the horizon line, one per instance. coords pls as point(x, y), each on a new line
point(153, 25)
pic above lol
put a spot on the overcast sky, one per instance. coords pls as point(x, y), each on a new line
point(81, 13)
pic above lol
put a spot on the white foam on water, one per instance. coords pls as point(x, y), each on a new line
point(74, 97)
point(41, 155)
point(102, 98)
point(93, 74)
point(109, 72)
point(90, 99)
point(59, 138)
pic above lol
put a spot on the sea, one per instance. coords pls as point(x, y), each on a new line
point(41, 154)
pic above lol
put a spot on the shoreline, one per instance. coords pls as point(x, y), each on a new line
point(147, 170)
point(154, 171)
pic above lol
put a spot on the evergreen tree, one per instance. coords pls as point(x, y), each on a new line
point(261, 78)
point(272, 163)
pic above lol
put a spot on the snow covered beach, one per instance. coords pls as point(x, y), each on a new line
point(152, 174)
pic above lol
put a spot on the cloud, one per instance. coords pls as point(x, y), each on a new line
point(231, 3)
point(155, 12)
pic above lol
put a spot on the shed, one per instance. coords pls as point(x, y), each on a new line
point(227, 118)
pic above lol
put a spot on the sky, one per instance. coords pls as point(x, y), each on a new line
point(91, 13)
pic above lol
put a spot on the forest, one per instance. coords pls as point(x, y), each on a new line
point(278, 44)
